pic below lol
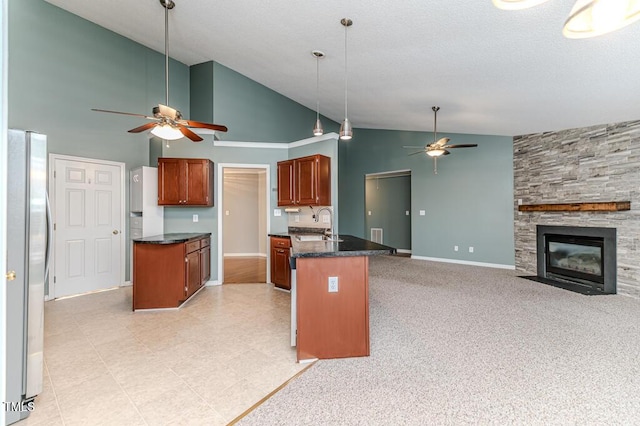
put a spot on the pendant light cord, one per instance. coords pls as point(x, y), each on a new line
point(317, 88)
point(166, 50)
point(346, 82)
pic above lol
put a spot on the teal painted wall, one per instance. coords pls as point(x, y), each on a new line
point(468, 203)
point(388, 199)
point(61, 66)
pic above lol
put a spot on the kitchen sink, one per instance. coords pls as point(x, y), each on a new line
point(317, 237)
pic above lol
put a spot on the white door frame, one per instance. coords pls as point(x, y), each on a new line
point(221, 167)
point(51, 190)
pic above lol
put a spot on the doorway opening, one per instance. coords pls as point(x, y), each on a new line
point(243, 212)
point(387, 215)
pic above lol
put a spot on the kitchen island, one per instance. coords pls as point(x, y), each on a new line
point(330, 295)
point(169, 269)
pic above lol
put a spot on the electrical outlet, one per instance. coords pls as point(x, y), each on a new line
point(470, 249)
point(325, 218)
point(195, 217)
point(226, 212)
point(422, 212)
point(406, 213)
point(333, 284)
point(369, 212)
point(296, 218)
point(455, 248)
point(277, 212)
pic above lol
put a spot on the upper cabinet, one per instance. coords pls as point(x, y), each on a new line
point(185, 182)
point(305, 181)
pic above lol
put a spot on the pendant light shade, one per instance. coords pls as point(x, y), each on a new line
point(346, 132)
point(516, 4)
point(590, 18)
point(317, 129)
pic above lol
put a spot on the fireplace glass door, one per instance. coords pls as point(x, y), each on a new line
point(575, 257)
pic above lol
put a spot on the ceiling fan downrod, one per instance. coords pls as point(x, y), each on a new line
point(435, 122)
point(167, 4)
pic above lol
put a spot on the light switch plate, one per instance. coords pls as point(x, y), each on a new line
point(195, 217)
point(325, 218)
point(406, 213)
point(470, 249)
point(422, 212)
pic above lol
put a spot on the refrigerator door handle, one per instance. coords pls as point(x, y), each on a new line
point(49, 238)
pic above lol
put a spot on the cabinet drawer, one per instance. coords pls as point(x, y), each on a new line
point(193, 246)
point(277, 242)
point(205, 242)
point(135, 222)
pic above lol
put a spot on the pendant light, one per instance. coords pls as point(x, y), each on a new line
point(317, 129)
point(346, 132)
point(516, 4)
point(590, 18)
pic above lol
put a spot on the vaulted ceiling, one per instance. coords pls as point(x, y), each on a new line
point(491, 71)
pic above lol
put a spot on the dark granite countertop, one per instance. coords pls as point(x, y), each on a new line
point(182, 237)
point(348, 246)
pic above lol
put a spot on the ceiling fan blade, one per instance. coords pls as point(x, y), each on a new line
point(445, 152)
point(464, 145)
point(123, 113)
point(441, 142)
point(201, 125)
point(415, 147)
point(188, 133)
point(419, 152)
point(143, 128)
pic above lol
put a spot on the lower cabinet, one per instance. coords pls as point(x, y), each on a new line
point(280, 268)
point(165, 275)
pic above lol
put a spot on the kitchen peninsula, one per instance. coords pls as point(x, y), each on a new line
point(330, 295)
point(169, 269)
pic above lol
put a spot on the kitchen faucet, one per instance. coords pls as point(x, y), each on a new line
point(317, 218)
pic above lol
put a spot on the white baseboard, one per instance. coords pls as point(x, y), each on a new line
point(465, 262)
point(403, 251)
point(126, 284)
point(245, 255)
point(212, 283)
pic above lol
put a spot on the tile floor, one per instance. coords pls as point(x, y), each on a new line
point(205, 363)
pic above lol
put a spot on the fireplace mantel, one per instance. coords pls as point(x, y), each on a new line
point(607, 206)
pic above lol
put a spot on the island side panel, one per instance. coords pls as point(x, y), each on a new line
point(158, 277)
point(332, 325)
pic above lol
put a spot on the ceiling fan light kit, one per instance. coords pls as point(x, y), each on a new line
point(346, 132)
point(169, 123)
point(317, 129)
point(588, 18)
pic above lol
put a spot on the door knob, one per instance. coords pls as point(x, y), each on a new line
point(115, 232)
point(10, 276)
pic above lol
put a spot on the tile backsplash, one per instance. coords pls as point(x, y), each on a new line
point(305, 218)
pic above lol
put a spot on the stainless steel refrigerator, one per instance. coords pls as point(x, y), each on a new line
point(28, 250)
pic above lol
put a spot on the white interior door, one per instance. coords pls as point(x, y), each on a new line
point(88, 226)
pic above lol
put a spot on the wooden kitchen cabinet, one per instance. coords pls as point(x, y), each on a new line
point(305, 181)
point(185, 182)
point(166, 275)
point(280, 268)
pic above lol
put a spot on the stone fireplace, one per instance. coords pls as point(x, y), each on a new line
point(595, 164)
point(581, 259)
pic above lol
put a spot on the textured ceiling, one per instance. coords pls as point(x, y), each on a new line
point(491, 71)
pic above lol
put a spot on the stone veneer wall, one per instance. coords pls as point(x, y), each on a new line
point(597, 163)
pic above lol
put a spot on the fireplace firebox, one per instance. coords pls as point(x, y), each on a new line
point(582, 259)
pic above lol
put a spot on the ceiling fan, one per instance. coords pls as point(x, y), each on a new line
point(168, 122)
point(439, 147)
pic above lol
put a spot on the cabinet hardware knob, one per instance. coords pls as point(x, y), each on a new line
point(10, 276)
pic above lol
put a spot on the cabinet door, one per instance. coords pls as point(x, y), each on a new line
point(170, 178)
point(285, 183)
point(280, 272)
point(198, 185)
point(193, 273)
point(306, 179)
point(205, 265)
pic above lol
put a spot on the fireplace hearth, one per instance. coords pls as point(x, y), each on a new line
point(581, 259)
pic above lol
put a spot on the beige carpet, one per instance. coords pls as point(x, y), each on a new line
point(455, 344)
